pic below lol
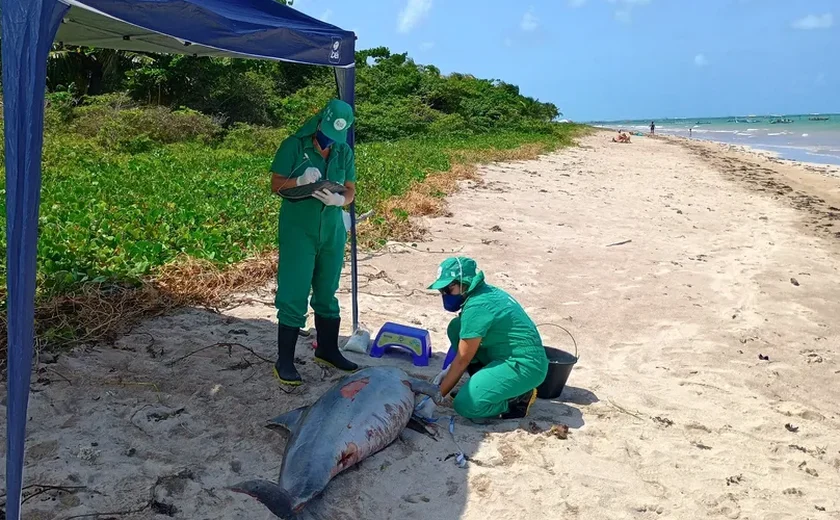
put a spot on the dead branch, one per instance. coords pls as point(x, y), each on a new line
point(221, 344)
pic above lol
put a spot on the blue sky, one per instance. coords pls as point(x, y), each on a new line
point(617, 59)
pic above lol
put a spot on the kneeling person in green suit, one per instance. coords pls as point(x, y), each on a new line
point(312, 235)
point(498, 345)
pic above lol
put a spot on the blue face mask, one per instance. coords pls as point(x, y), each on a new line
point(323, 141)
point(453, 302)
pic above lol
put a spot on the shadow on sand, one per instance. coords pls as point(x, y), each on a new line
point(209, 376)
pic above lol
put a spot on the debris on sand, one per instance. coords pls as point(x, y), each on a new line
point(791, 428)
point(664, 421)
point(495, 229)
point(762, 357)
point(734, 480)
point(561, 431)
point(794, 281)
point(619, 243)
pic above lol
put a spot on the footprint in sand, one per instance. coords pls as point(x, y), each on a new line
point(451, 487)
point(649, 508)
point(481, 485)
point(509, 453)
point(724, 506)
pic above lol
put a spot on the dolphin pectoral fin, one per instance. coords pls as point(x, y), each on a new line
point(418, 386)
point(419, 427)
point(287, 421)
point(271, 495)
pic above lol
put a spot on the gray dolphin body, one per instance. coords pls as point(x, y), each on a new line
point(361, 414)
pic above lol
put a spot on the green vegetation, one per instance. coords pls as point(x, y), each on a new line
point(150, 158)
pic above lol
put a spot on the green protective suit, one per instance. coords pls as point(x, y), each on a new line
point(511, 354)
point(311, 236)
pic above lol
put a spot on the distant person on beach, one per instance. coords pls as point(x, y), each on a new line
point(689, 132)
point(622, 137)
point(652, 127)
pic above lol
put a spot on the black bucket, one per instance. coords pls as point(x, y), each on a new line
point(560, 364)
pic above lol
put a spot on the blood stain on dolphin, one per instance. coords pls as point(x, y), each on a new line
point(352, 388)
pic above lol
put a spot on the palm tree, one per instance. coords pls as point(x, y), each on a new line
point(89, 69)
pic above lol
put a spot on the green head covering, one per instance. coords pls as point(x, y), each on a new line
point(462, 269)
point(336, 119)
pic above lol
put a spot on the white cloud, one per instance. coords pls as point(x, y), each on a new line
point(413, 12)
point(427, 45)
point(529, 21)
point(327, 15)
point(576, 3)
point(624, 8)
point(813, 21)
point(623, 15)
point(700, 60)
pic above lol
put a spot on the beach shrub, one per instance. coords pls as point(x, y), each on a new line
point(156, 158)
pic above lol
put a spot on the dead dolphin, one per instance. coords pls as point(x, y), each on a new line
point(361, 414)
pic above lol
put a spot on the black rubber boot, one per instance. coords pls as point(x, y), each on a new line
point(327, 353)
point(284, 368)
point(518, 407)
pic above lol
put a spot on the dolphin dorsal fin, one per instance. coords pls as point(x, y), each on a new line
point(288, 421)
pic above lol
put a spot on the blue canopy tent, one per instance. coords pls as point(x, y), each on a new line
point(261, 29)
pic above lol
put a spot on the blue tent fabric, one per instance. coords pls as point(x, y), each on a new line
point(28, 29)
point(238, 28)
point(255, 28)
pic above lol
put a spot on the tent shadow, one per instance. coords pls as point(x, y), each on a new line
point(227, 360)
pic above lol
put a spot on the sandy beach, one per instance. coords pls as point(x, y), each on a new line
point(706, 385)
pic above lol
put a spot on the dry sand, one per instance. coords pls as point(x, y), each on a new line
point(672, 413)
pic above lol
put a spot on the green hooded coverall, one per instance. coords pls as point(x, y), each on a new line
point(311, 239)
point(311, 236)
point(510, 360)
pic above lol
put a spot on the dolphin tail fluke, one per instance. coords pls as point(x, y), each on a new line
point(270, 494)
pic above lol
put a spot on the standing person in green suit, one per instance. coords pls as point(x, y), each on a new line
point(312, 235)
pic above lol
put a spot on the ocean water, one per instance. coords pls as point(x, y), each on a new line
point(799, 137)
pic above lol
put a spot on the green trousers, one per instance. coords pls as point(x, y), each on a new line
point(486, 393)
point(311, 240)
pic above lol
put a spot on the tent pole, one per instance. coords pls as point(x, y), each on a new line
point(346, 84)
point(29, 27)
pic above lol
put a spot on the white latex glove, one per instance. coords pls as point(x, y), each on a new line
point(346, 217)
point(309, 176)
point(329, 198)
point(438, 378)
point(426, 408)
